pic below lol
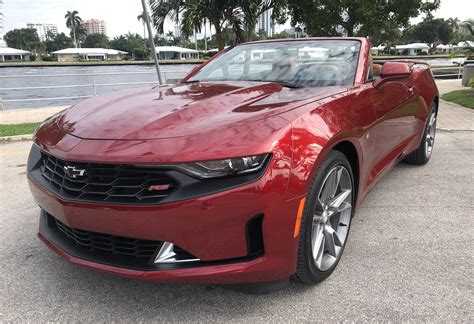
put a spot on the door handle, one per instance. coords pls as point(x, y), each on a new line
point(411, 90)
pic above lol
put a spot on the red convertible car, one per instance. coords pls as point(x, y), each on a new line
point(248, 171)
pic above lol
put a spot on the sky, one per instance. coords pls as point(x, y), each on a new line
point(121, 15)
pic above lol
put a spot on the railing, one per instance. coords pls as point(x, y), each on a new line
point(457, 69)
point(452, 72)
point(169, 77)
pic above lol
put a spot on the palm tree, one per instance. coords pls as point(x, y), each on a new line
point(468, 50)
point(50, 35)
point(469, 26)
point(169, 34)
point(141, 17)
point(166, 9)
point(453, 24)
point(81, 35)
point(239, 15)
point(73, 21)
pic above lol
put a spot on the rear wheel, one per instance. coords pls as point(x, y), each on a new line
point(423, 153)
point(326, 220)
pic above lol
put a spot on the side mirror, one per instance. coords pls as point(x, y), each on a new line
point(392, 71)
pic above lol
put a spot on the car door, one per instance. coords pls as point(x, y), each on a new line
point(395, 105)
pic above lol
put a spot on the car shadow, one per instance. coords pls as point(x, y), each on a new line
point(148, 300)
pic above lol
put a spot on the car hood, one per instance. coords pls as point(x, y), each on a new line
point(183, 109)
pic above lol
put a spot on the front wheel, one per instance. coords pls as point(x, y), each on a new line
point(326, 220)
point(423, 153)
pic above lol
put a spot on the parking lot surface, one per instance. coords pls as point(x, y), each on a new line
point(409, 257)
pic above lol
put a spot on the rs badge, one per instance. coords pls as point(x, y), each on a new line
point(159, 187)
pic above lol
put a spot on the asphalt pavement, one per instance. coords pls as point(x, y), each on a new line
point(409, 257)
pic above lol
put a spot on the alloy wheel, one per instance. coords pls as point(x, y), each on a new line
point(332, 217)
point(430, 134)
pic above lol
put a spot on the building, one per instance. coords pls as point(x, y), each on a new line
point(89, 54)
point(13, 54)
point(444, 49)
point(412, 49)
point(43, 30)
point(94, 26)
point(266, 23)
point(465, 44)
point(177, 31)
point(2, 22)
point(175, 53)
point(376, 50)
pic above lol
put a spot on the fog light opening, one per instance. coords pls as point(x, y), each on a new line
point(169, 253)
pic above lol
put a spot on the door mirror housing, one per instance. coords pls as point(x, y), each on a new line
point(392, 71)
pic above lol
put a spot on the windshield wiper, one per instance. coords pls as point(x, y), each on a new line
point(286, 84)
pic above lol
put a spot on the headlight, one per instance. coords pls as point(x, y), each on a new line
point(227, 167)
point(44, 122)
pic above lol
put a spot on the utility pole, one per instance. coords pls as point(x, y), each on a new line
point(150, 39)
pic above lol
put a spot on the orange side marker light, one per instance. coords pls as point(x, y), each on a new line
point(299, 215)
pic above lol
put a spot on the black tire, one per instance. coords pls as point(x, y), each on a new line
point(420, 155)
point(306, 270)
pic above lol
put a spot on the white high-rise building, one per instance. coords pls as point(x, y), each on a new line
point(43, 29)
point(266, 23)
point(177, 31)
point(94, 26)
point(2, 21)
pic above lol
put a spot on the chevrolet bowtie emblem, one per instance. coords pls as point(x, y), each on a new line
point(74, 173)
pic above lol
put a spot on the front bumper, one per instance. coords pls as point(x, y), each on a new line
point(212, 228)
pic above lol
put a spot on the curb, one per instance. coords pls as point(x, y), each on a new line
point(16, 138)
point(453, 104)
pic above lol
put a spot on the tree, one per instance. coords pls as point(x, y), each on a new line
point(453, 24)
point(432, 32)
point(131, 43)
point(469, 26)
point(168, 40)
point(141, 17)
point(239, 15)
point(24, 38)
point(59, 42)
point(81, 34)
point(96, 41)
point(50, 35)
point(169, 35)
point(73, 21)
point(283, 34)
point(331, 17)
point(461, 37)
point(387, 34)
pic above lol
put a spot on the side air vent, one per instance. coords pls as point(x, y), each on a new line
point(255, 245)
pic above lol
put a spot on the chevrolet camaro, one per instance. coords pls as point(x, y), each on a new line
point(248, 171)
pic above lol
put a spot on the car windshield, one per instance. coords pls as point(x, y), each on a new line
point(305, 63)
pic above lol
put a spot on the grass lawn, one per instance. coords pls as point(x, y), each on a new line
point(461, 97)
point(17, 129)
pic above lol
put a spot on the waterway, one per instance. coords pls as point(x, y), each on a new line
point(27, 79)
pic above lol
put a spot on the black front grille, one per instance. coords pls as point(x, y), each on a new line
point(114, 183)
point(108, 244)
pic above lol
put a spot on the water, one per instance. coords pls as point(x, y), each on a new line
point(174, 71)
